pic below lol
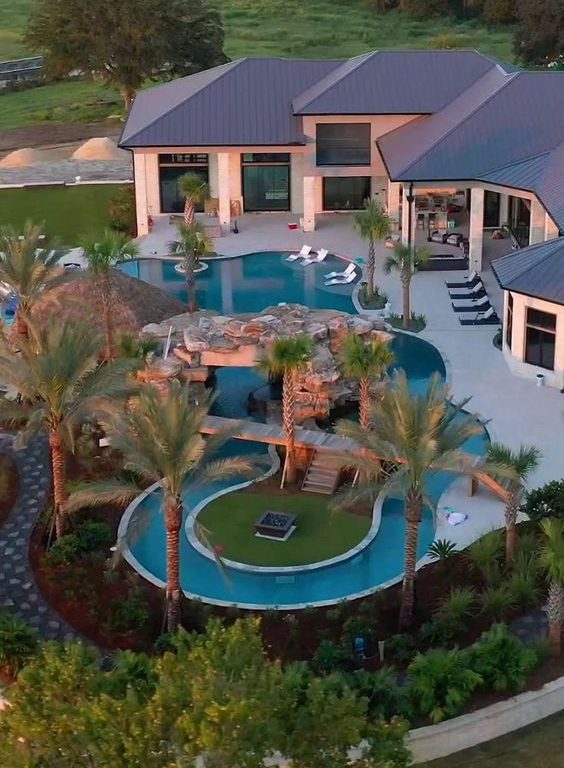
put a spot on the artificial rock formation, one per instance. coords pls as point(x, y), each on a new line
point(205, 340)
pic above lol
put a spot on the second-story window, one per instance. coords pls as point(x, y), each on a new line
point(343, 143)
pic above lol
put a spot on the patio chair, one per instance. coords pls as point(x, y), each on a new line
point(303, 254)
point(489, 317)
point(469, 281)
point(342, 280)
point(470, 293)
point(345, 273)
point(481, 304)
point(321, 256)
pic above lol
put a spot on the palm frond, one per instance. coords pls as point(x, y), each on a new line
point(97, 494)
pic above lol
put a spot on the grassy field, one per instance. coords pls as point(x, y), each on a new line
point(69, 212)
point(253, 28)
point(319, 535)
point(538, 746)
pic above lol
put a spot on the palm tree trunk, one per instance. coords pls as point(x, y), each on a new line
point(173, 521)
point(405, 284)
point(289, 422)
point(106, 291)
point(554, 609)
point(413, 506)
point(191, 284)
point(189, 211)
point(59, 480)
point(371, 266)
point(364, 403)
point(20, 324)
point(510, 529)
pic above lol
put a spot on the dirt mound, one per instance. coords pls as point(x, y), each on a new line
point(21, 158)
point(98, 149)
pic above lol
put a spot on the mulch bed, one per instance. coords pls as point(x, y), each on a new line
point(9, 486)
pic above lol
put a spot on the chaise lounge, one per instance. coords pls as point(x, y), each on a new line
point(471, 293)
point(478, 305)
point(303, 254)
point(469, 281)
point(489, 317)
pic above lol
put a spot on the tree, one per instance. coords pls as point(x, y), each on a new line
point(552, 561)
point(286, 359)
point(161, 442)
point(546, 501)
point(404, 260)
point(60, 384)
point(499, 11)
point(538, 34)
point(121, 210)
point(365, 361)
point(27, 268)
point(126, 43)
point(419, 434)
point(195, 190)
point(192, 246)
point(102, 254)
point(516, 466)
point(372, 224)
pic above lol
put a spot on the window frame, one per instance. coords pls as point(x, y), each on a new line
point(542, 330)
point(366, 162)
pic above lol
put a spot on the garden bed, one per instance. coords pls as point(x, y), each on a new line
point(9, 486)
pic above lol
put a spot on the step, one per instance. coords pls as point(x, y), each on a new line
point(311, 488)
point(321, 473)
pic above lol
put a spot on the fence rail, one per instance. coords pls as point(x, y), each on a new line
point(21, 68)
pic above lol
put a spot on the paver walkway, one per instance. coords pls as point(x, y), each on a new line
point(18, 591)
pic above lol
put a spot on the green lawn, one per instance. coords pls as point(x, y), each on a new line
point(254, 28)
point(69, 212)
point(537, 746)
point(320, 533)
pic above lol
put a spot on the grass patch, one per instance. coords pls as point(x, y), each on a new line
point(316, 28)
point(68, 212)
point(320, 533)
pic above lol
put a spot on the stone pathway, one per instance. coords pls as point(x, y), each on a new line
point(18, 591)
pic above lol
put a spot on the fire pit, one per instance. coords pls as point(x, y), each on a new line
point(275, 525)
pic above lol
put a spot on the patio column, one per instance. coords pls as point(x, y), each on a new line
point(141, 203)
point(223, 188)
point(536, 231)
point(503, 209)
point(393, 204)
point(407, 227)
point(476, 236)
point(309, 203)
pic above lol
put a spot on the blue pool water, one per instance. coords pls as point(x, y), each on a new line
point(250, 284)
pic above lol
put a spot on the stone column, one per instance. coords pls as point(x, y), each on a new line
point(141, 208)
point(223, 188)
point(309, 203)
point(476, 236)
point(503, 209)
point(393, 203)
point(537, 226)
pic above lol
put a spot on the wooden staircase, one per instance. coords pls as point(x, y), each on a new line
point(322, 474)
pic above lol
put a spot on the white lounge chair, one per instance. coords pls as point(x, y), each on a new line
point(345, 273)
point(321, 255)
point(303, 254)
point(342, 280)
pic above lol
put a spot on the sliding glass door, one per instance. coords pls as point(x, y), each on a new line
point(345, 193)
point(266, 187)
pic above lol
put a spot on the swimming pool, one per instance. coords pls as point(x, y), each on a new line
point(381, 561)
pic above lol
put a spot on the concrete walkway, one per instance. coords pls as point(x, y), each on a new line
point(19, 593)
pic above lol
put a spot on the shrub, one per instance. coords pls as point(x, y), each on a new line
point(498, 601)
point(401, 647)
point(18, 642)
point(441, 549)
point(129, 614)
point(442, 682)
point(328, 657)
point(65, 550)
point(501, 660)
point(385, 697)
point(416, 324)
point(523, 588)
point(358, 626)
point(90, 536)
point(546, 501)
point(376, 301)
point(485, 556)
point(453, 613)
point(121, 211)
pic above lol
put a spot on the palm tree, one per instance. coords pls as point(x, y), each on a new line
point(404, 260)
point(160, 440)
point(60, 384)
point(365, 361)
point(372, 224)
point(195, 191)
point(102, 254)
point(419, 434)
point(515, 466)
point(286, 359)
point(27, 268)
point(192, 246)
point(552, 560)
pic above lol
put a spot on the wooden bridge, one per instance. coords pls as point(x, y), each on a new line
point(316, 440)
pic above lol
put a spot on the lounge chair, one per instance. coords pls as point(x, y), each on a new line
point(470, 293)
point(469, 281)
point(303, 254)
point(342, 280)
point(477, 305)
point(488, 317)
point(321, 256)
point(345, 273)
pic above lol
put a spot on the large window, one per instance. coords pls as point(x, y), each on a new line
point(343, 143)
point(540, 338)
point(509, 320)
point(171, 168)
point(266, 187)
point(345, 193)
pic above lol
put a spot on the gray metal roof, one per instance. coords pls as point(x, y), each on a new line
point(395, 82)
point(534, 271)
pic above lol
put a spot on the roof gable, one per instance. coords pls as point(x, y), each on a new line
point(534, 271)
